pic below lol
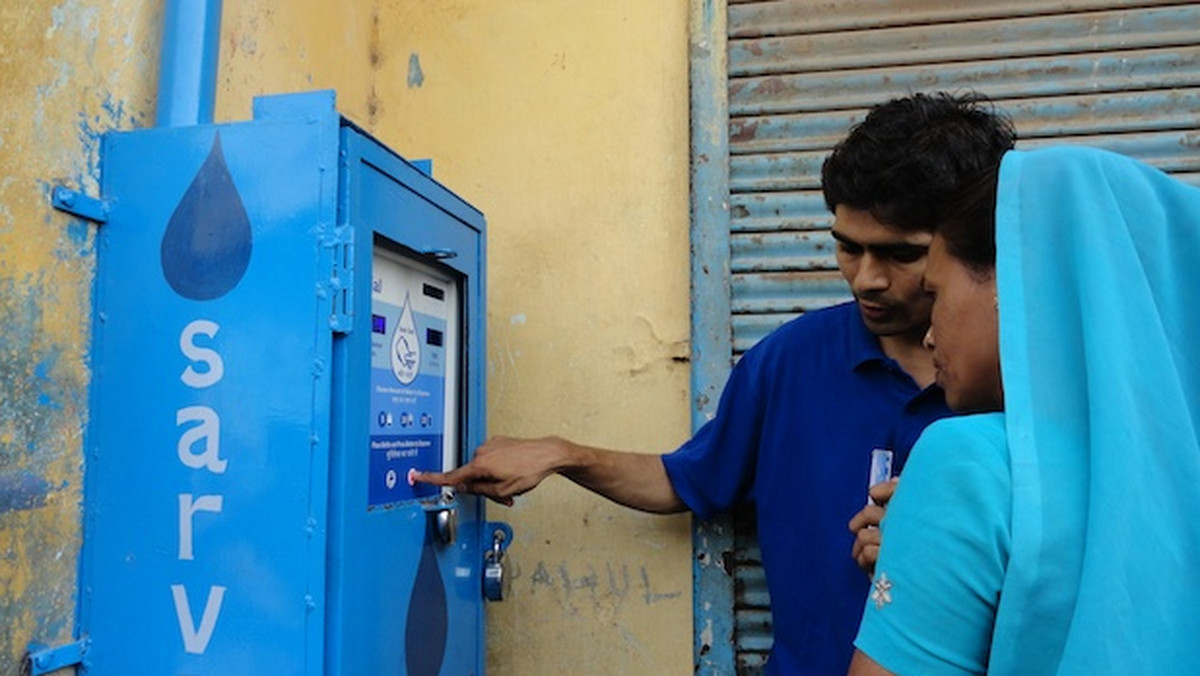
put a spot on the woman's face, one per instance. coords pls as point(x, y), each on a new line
point(963, 332)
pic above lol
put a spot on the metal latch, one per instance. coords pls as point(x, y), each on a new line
point(78, 204)
point(42, 659)
point(445, 516)
point(495, 582)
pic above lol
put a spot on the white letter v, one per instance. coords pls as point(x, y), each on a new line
point(196, 641)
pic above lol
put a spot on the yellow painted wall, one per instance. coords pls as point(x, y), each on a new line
point(68, 72)
point(564, 121)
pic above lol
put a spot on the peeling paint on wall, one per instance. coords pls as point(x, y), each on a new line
point(21, 489)
point(40, 437)
point(73, 69)
point(416, 78)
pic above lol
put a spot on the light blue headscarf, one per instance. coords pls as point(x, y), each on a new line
point(1098, 271)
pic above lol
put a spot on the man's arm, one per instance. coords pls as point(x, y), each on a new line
point(505, 467)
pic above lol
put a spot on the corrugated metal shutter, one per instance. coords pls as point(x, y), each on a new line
point(1118, 75)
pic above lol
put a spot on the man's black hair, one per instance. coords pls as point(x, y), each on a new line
point(911, 154)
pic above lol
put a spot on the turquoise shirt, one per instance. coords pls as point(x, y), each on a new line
point(1098, 279)
point(947, 533)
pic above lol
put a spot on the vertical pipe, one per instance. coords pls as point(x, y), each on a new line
point(187, 78)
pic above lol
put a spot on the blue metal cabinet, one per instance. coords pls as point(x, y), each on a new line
point(289, 317)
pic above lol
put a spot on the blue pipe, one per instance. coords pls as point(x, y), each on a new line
point(187, 78)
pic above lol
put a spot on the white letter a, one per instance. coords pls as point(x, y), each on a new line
point(195, 641)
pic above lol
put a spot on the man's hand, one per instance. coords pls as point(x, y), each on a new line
point(865, 526)
point(503, 467)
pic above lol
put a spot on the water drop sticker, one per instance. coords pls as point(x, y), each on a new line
point(207, 243)
point(428, 623)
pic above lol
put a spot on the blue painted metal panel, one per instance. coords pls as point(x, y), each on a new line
point(207, 451)
point(755, 18)
point(1003, 37)
point(294, 107)
point(229, 523)
point(776, 211)
point(776, 171)
point(711, 356)
point(1053, 74)
point(1041, 117)
point(772, 251)
point(408, 603)
point(1171, 151)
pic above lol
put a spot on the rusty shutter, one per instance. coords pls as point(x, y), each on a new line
point(1118, 75)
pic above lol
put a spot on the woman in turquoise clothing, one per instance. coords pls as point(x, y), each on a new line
point(1055, 529)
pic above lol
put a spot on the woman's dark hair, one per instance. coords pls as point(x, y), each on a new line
point(909, 155)
point(968, 223)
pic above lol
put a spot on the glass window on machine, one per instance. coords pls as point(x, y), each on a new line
point(415, 374)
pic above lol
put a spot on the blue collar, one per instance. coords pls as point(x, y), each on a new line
point(864, 346)
point(867, 353)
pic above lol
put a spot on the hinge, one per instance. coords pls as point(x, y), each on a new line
point(341, 281)
point(78, 204)
point(43, 660)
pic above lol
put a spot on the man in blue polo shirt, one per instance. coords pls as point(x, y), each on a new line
point(804, 408)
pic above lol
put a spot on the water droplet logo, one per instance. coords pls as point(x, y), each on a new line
point(406, 349)
point(206, 246)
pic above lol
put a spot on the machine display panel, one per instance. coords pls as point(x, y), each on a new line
point(414, 375)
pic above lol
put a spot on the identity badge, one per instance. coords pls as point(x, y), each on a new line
point(881, 468)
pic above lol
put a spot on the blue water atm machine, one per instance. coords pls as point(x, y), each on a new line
point(289, 322)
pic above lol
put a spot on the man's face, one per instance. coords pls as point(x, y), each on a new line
point(963, 333)
point(884, 267)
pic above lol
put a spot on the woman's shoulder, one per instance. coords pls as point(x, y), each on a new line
point(976, 428)
point(963, 446)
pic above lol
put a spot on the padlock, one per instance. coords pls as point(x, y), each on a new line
point(494, 581)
